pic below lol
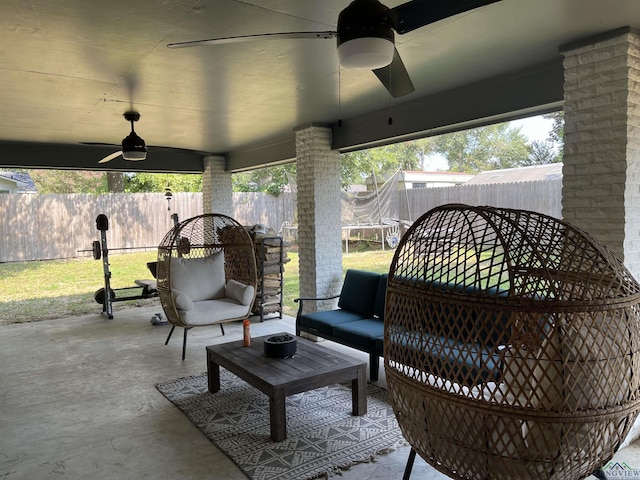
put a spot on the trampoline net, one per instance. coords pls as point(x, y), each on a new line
point(384, 205)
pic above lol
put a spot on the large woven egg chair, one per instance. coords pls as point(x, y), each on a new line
point(511, 345)
point(206, 273)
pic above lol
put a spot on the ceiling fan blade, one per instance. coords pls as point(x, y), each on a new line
point(418, 13)
point(108, 158)
point(101, 144)
point(395, 77)
point(251, 38)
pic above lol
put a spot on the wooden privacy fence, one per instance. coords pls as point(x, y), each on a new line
point(544, 196)
point(44, 227)
point(253, 207)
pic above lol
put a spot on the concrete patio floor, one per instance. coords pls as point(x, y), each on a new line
point(78, 401)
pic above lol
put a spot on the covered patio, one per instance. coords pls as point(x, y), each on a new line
point(79, 401)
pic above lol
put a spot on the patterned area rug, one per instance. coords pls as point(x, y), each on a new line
point(323, 437)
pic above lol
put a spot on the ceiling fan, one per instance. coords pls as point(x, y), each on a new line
point(133, 147)
point(365, 35)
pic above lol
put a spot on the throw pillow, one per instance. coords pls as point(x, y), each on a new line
point(181, 300)
point(199, 278)
point(241, 293)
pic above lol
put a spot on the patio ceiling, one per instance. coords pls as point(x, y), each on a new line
point(71, 68)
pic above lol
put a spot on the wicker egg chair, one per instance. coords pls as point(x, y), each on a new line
point(206, 273)
point(511, 345)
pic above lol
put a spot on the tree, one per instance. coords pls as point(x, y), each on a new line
point(557, 128)
point(542, 153)
point(485, 148)
point(271, 180)
point(556, 136)
point(69, 181)
point(356, 166)
point(157, 182)
point(115, 182)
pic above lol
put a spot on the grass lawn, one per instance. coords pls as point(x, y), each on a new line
point(32, 291)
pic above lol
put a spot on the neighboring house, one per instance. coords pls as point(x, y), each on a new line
point(16, 182)
point(415, 179)
point(553, 171)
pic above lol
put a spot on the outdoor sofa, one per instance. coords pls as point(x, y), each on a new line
point(358, 322)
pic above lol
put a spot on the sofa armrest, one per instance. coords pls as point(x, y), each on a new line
point(318, 299)
point(300, 301)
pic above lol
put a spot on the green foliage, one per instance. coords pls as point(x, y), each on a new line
point(271, 180)
point(72, 181)
point(557, 128)
point(556, 136)
point(485, 148)
point(243, 182)
point(543, 153)
point(356, 166)
point(157, 182)
point(69, 181)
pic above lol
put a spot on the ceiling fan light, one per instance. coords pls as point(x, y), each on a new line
point(133, 148)
point(366, 52)
point(135, 155)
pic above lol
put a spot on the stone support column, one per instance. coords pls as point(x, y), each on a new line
point(217, 187)
point(319, 214)
point(601, 174)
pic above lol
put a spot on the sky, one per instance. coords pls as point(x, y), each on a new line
point(534, 128)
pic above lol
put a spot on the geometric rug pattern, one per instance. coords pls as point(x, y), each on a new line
point(323, 437)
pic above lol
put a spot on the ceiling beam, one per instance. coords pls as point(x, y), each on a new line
point(516, 95)
point(75, 157)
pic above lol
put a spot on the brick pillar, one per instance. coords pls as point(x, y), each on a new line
point(601, 174)
point(319, 211)
point(217, 187)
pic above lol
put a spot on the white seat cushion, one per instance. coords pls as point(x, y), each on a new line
point(209, 312)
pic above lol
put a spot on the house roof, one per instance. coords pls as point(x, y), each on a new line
point(436, 177)
point(22, 180)
point(71, 68)
point(552, 171)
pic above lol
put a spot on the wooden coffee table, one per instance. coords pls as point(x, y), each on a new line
point(312, 367)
